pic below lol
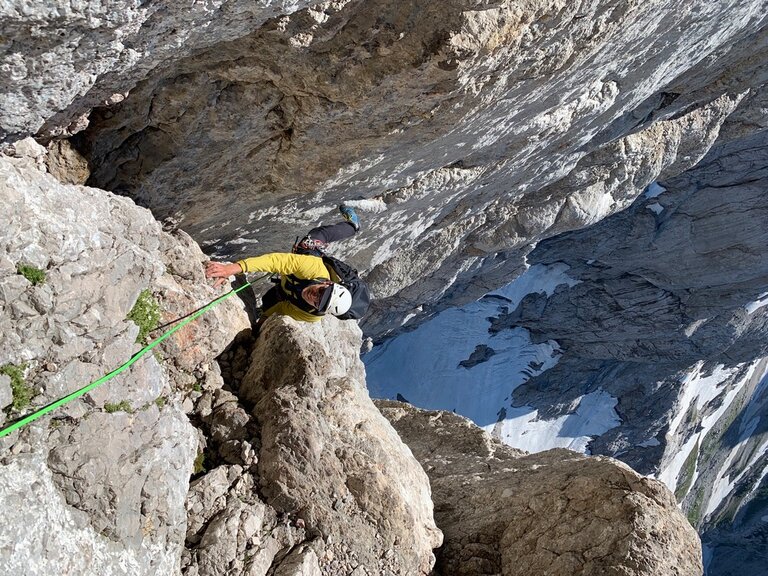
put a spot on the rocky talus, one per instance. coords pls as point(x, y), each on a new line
point(555, 512)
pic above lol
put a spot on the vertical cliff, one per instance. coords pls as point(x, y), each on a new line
point(485, 142)
point(219, 454)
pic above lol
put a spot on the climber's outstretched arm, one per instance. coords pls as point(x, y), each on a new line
point(221, 271)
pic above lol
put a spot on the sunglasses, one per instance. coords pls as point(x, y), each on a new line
point(314, 294)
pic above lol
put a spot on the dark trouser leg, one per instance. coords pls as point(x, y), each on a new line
point(332, 232)
point(270, 298)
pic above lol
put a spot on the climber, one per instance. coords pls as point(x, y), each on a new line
point(310, 285)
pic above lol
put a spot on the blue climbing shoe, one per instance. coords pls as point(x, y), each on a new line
point(350, 216)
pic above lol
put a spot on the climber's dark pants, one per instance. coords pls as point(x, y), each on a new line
point(332, 232)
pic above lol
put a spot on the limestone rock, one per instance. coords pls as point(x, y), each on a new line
point(205, 499)
point(240, 534)
point(300, 562)
point(107, 474)
point(6, 393)
point(58, 54)
point(555, 512)
point(6, 396)
point(328, 487)
point(329, 458)
point(487, 127)
point(66, 164)
point(476, 129)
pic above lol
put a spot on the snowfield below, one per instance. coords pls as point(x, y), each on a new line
point(452, 362)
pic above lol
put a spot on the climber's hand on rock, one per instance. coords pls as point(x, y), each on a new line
point(221, 271)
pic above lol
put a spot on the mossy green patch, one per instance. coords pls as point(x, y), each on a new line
point(22, 392)
point(122, 406)
point(694, 510)
point(34, 275)
point(199, 465)
point(145, 314)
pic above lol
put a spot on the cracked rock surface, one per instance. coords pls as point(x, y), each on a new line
point(106, 475)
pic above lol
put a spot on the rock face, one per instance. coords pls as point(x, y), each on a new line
point(662, 310)
point(350, 497)
point(296, 472)
point(461, 118)
point(555, 512)
point(477, 131)
point(61, 60)
point(674, 286)
point(106, 476)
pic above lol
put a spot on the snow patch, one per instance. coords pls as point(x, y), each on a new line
point(595, 414)
point(654, 190)
point(697, 392)
point(761, 301)
point(693, 326)
point(656, 208)
point(538, 278)
point(650, 442)
point(466, 369)
point(369, 205)
point(691, 385)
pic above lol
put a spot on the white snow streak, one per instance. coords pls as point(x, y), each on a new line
point(369, 205)
point(656, 208)
point(761, 301)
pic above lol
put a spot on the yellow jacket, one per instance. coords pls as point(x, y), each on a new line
point(302, 266)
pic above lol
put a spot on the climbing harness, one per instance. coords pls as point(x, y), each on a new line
point(16, 424)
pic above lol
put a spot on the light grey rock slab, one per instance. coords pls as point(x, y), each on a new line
point(110, 486)
point(300, 562)
point(327, 455)
point(45, 535)
point(6, 395)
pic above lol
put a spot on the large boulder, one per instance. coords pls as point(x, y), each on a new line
point(330, 458)
point(556, 512)
point(307, 477)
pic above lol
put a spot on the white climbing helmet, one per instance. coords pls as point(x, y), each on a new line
point(336, 300)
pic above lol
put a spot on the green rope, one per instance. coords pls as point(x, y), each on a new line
point(85, 389)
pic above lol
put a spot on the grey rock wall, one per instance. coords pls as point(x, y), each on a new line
point(481, 128)
point(665, 287)
point(100, 483)
point(675, 282)
point(60, 60)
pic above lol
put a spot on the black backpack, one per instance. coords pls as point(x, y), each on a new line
point(349, 278)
